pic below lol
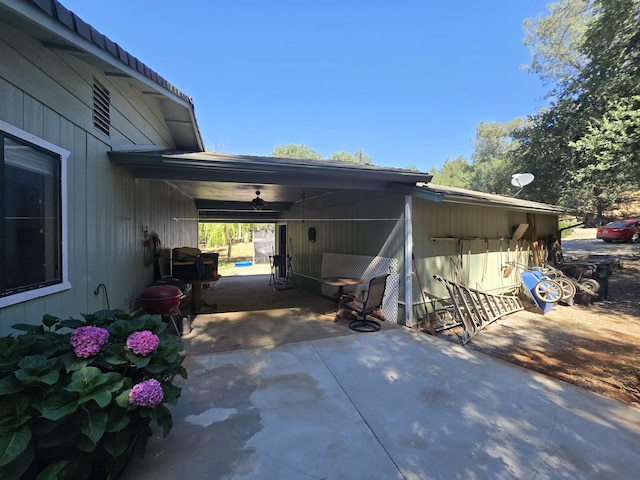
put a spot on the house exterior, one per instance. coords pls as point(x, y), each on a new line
point(99, 151)
point(74, 221)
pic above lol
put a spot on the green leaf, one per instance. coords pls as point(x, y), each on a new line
point(53, 471)
point(123, 399)
point(16, 469)
point(162, 416)
point(13, 444)
point(49, 320)
point(58, 405)
point(27, 327)
point(171, 393)
point(92, 384)
point(9, 385)
point(37, 369)
point(138, 361)
point(13, 413)
point(72, 323)
point(94, 424)
point(118, 419)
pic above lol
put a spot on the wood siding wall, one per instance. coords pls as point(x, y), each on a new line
point(458, 242)
point(358, 223)
point(471, 244)
point(49, 94)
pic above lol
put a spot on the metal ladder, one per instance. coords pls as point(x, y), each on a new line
point(475, 309)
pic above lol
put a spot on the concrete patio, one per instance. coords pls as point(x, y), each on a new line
point(278, 390)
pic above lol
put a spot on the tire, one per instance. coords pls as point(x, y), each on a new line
point(567, 286)
point(548, 291)
point(635, 238)
point(590, 286)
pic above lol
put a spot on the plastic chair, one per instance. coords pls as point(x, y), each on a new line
point(363, 308)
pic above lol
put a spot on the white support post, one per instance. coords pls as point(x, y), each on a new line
point(408, 261)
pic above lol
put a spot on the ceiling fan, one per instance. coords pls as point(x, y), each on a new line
point(257, 203)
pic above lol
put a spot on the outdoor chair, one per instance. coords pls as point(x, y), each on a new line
point(281, 272)
point(363, 308)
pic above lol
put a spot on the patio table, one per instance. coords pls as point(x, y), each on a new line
point(341, 282)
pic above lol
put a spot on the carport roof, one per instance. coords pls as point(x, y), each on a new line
point(441, 193)
point(223, 185)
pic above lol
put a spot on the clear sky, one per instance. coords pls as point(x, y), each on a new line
point(406, 81)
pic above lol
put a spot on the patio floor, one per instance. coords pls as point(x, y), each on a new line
point(285, 393)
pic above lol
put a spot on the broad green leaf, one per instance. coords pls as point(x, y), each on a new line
point(94, 424)
point(13, 413)
point(9, 385)
point(49, 320)
point(13, 444)
point(59, 404)
point(162, 416)
point(16, 469)
point(53, 472)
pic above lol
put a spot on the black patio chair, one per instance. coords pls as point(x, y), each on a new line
point(363, 308)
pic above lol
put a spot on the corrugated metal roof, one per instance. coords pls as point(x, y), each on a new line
point(70, 20)
point(441, 193)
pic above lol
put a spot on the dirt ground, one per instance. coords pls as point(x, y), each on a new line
point(596, 346)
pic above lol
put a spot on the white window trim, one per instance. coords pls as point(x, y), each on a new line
point(64, 155)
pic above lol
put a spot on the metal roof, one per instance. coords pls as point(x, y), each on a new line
point(223, 186)
point(61, 30)
point(441, 193)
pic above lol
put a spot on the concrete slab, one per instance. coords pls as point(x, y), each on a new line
point(393, 404)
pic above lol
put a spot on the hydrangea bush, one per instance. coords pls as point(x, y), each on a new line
point(77, 397)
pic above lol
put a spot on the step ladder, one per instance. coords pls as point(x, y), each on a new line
point(475, 309)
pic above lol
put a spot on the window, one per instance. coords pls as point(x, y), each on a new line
point(32, 217)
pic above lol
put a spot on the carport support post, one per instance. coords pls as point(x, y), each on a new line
point(408, 263)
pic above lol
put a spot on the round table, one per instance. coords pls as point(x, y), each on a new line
point(341, 282)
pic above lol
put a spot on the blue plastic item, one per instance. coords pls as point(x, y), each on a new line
point(531, 279)
point(247, 263)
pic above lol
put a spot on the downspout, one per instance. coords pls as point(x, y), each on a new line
point(408, 263)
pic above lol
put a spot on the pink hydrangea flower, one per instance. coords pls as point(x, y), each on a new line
point(143, 343)
point(88, 340)
point(146, 394)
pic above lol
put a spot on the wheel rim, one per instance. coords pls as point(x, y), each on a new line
point(591, 286)
point(548, 291)
point(567, 287)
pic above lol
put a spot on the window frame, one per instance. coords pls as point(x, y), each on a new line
point(63, 154)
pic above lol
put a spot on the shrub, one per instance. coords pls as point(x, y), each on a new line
point(77, 397)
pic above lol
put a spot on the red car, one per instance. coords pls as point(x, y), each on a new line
point(620, 231)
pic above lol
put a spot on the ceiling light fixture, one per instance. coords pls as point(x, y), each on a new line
point(257, 203)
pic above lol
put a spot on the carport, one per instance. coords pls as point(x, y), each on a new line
point(250, 189)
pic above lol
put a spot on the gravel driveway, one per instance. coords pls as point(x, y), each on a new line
point(596, 347)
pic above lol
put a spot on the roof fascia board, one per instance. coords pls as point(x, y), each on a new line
point(432, 195)
point(179, 165)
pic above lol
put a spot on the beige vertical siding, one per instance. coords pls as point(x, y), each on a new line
point(358, 223)
point(49, 94)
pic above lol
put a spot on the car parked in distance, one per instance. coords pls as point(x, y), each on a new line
point(620, 231)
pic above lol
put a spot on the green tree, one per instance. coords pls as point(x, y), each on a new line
point(358, 157)
point(585, 146)
point(556, 41)
point(493, 158)
point(303, 152)
point(454, 173)
point(295, 151)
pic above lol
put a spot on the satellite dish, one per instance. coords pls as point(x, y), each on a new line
point(521, 180)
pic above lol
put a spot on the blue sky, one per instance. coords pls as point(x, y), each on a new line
point(406, 81)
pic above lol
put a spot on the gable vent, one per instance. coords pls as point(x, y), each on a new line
point(101, 102)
